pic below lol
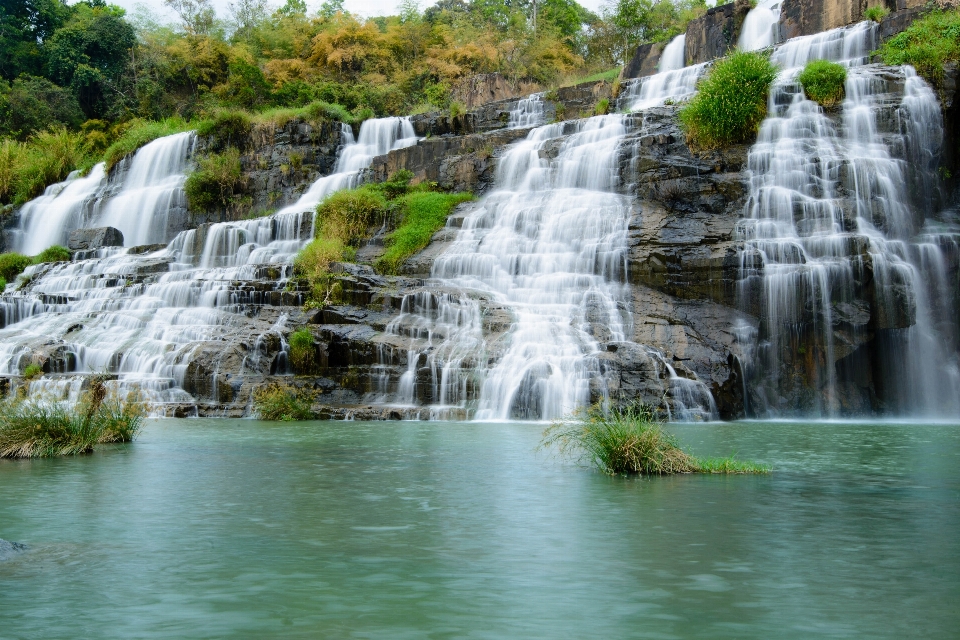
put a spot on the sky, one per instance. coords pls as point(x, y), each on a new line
point(362, 7)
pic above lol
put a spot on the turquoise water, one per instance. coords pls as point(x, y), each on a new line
point(237, 528)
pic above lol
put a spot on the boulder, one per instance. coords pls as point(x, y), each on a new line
point(644, 62)
point(91, 239)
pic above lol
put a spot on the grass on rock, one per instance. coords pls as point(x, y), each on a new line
point(275, 403)
point(302, 352)
point(823, 82)
point(731, 101)
point(631, 441)
point(38, 428)
point(927, 45)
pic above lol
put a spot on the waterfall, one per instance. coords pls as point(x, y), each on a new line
point(548, 247)
point(148, 317)
point(831, 262)
point(48, 219)
point(761, 26)
point(652, 91)
point(528, 112)
point(673, 54)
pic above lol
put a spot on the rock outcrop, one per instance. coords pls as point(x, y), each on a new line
point(715, 33)
point(644, 61)
point(91, 239)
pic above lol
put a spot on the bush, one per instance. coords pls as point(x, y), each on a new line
point(630, 441)
point(32, 370)
point(11, 160)
point(136, 134)
point(346, 215)
point(927, 44)
point(602, 108)
point(302, 352)
point(216, 183)
point(47, 157)
point(12, 265)
point(823, 82)
point(274, 403)
point(877, 13)
point(423, 214)
point(32, 104)
point(31, 428)
point(731, 101)
point(56, 253)
point(228, 128)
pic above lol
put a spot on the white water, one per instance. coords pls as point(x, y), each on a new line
point(138, 201)
point(761, 26)
point(120, 314)
point(655, 90)
point(528, 112)
point(673, 54)
point(825, 203)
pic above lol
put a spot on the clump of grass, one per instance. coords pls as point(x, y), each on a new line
point(927, 45)
point(32, 370)
point(302, 352)
point(56, 253)
point(12, 265)
point(47, 157)
point(33, 428)
point(277, 404)
point(423, 214)
point(823, 82)
point(632, 441)
point(731, 101)
point(138, 133)
point(877, 13)
point(602, 108)
point(227, 128)
point(216, 183)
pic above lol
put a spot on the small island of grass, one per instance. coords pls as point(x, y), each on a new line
point(631, 441)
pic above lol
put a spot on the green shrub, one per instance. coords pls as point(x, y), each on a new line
point(216, 183)
point(11, 160)
point(12, 265)
point(302, 352)
point(631, 441)
point(227, 128)
point(56, 253)
point(48, 157)
point(32, 370)
point(32, 428)
point(877, 13)
point(422, 215)
point(274, 403)
point(602, 108)
point(823, 82)
point(346, 215)
point(3, 284)
point(927, 45)
point(138, 133)
point(731, 101)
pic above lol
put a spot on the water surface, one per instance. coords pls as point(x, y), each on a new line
point(238, 528)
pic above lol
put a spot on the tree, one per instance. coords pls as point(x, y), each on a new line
point(292, 8)
point(32, 104)
point(198, 16)
point(25, 25)
point(247, 16)
point(330, 8)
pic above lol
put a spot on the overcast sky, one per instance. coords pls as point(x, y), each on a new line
point(362, 7)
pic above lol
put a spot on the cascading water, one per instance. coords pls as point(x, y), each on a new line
point(761, 27)
point(673, 56)
point(144, 317)
point(549, 244)
point(147, 188)
point(528, 112)
point(830, 265)
point(654, 90)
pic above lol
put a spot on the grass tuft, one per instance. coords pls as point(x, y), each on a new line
point(876, 14)
point(302, 352)
point(277, 404)
point(422, 215)
point(630, 441)
point(823, 82)
point(731, 101)
point(927, 45)
point(139, 133)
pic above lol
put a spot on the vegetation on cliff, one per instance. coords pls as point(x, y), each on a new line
point(13, 264)
point(823, 82)
point(631, 441)
point(38, 428)
point(731, 101)
point(346, 218)
point(927, 44)
point(275, 403)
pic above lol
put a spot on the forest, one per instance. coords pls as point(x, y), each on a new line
point(75, 78)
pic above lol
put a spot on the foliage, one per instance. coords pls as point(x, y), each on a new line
point(302, 352)
point(137, 133)
point(37, 428)
point(731, 101)
point(927, 45)
point(12, 265)
point(823, 81)
point(877, 13)
point(227, 128)
point(56, 253)
point(216, 183)
point(46, 157)
point(31, 104)
point(275, 403)
point(32, 370)
point(422, 215)
point(631, 441)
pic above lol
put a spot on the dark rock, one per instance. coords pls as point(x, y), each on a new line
point(489, 87)
point(899, 21)
point(90, 239)
point(714, 34)
point(644, 61)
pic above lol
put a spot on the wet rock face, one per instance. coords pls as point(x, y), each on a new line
point(485, 88)
point(715, 33)
point(644, 62)
point(91, 239)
